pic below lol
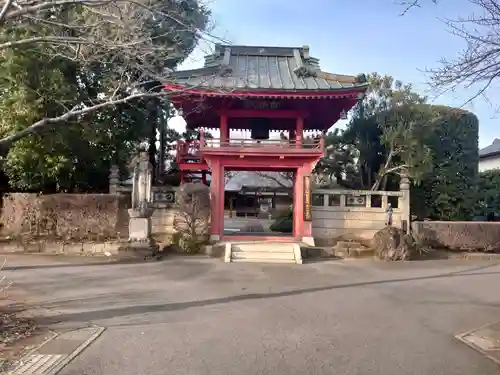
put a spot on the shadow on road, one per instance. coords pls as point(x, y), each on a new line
point(143, 309)
point(67, 265)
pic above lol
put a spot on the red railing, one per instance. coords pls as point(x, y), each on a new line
point(266, 143)
point(189, 151)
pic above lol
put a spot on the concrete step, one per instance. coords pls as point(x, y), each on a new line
point(280, 261)
point(262, 255)
point(353, 253)
point(263, 247)
point(348, 244)
point(263, 251)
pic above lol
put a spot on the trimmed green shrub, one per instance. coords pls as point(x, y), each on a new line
point(283, 224)
point(488, 195)
point(449, 191)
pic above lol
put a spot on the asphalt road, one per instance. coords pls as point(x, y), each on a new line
point(201, 316)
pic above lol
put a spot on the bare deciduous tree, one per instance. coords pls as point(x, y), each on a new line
point(132, 44)
point(409, 4)
point(4, 283)
point(282, 179)
point(477, 66)
point(192, 221)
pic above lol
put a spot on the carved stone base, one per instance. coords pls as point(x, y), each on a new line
point(139, 249)
point(140, 243)
point(139, 229)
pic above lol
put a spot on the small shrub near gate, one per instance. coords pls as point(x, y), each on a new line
point(283, 224)
point(192, 221)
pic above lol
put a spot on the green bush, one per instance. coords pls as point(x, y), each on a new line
point(449, 191)
point(283, 224)
point(487, 195)
point(185, 244)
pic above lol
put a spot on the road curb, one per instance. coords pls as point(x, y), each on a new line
point(469, 338)
point(46, 361)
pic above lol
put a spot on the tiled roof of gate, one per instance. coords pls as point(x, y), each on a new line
point(272, 68)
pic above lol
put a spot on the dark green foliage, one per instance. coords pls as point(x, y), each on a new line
point(488, 194)
point(39, 81)
point(436, 146)
point(283, 224)
point(449, 191)
point(339, 161)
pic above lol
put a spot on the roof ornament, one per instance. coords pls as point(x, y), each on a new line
point(343, 115)
point(361, 78)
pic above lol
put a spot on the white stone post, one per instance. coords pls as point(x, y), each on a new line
point(404, 187)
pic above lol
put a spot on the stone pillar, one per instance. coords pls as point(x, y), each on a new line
point(404, 187)
point(114, 179)
point(140, 240)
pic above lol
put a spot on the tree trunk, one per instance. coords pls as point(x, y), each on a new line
point(383, 171)
point(153, 124)
point(161, 154)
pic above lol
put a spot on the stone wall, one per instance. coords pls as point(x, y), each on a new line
point(162, 221)
point(355, 214)
point(66, 217)
point(458, 235)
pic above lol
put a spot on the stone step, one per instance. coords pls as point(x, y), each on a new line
point(347, 242)
point(262, 255)
point(263, 251)
point(359, 253)
point(348, 245)
point(256, 260)
point(263, 247)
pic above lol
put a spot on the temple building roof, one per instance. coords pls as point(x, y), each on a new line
point(491, 150)
point(264, 68)
point(273, 180)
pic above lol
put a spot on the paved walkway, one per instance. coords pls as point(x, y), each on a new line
point(237, 224)
point(200, 316)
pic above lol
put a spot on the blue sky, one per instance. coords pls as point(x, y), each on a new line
point(354, 36)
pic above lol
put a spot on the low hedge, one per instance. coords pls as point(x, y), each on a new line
point(283, 224)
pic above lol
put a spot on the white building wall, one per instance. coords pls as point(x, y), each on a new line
point(488, 164)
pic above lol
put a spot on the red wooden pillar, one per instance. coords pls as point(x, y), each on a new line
point(224, 129)
point(298, 203)
point(217, 201)
point(301, 229)
point(299, 129)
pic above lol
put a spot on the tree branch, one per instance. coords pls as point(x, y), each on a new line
point(4, 10)
point(39, 125)
point(409, 5)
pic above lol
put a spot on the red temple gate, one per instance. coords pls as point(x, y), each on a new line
point(262, 89)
